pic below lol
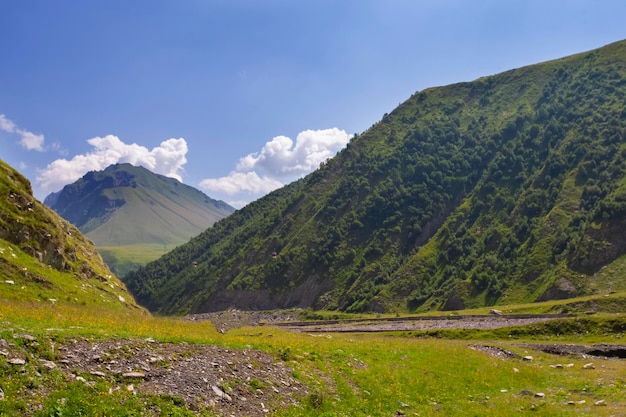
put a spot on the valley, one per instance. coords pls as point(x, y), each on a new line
point(463, 256)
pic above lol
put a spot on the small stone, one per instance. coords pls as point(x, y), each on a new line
point(4, 353)
point(130, 388)
point(10, 282)
point(97, 373)
point(558, 366)
point(16, 361)
point(581, 402)
point(540, 395)
point(571, 403)
point(600, 403)
point(526, 392)
point(504, 390)
point(588, 366)
point(527, 358)
point(221, 393)
point(1, 395)
point(122, 299)
point(24, 336)
point(515, 370)
point(569, 365)
point(81, 379)
point(48, 364)
point(134, 375)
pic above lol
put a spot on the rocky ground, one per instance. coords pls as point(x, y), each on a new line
point(232, 382)
point(471, 322)
point(235, 382)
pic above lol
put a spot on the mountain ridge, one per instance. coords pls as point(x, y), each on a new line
point(506, 189)
point(126, 206)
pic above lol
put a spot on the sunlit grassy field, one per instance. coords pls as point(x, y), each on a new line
point(124, 258)
point(348, 374)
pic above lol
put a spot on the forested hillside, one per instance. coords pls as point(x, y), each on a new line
point(509, 188)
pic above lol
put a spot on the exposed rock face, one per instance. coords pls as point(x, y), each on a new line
point(600, 248)
point(562, 289)
point(301, 296)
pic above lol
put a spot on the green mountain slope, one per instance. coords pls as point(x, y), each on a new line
point(45, 258)
point(129, 210)
point(507, 189)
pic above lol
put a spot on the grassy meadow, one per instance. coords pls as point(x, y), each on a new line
point(384, 374)
point(122, 259)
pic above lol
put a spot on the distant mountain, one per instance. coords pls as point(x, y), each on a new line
point(507, 189)
point(45, 258)
point(134, 215)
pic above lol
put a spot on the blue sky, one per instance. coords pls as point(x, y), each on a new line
point(236, 97)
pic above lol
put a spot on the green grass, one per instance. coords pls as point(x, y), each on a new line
point(611, 276)
point(122, 259)
point(23, 278)
point(346, 374)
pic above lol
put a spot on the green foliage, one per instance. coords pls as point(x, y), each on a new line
point(507, 189)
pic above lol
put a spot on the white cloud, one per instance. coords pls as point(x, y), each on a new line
point(241, 182)
point(280, 158)
point(278, 162)
point(29, 140)
point(166, 159)
point(6, 124)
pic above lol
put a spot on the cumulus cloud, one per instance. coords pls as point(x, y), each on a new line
point(278, 162)
point(279, 157)
point(166, 159)
point(29, 140)
point(237, 182)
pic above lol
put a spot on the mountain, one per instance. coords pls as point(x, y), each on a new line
point(45, 258)
point(507, 189)
point(134, 215)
